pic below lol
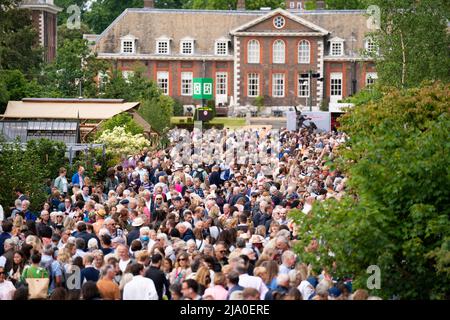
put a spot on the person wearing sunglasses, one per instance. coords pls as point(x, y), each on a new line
point(181, 270)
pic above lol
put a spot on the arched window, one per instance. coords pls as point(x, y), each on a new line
point(253, 51)
point(279, 53)
point(304, 52)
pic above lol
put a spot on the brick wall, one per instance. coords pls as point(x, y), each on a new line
point(266, 68)
point(175, 68)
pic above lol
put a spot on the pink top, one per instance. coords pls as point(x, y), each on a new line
point(147, 213)
point(217, 292)
point(178, 187)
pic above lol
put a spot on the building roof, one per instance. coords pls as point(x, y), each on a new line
point(83, 109)
point(206, 26)
point(46, 5)
point(272, 13)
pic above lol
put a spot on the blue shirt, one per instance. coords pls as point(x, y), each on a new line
point(54, 268)
point(3, 237)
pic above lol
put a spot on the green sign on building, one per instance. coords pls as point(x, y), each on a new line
point(203, 88)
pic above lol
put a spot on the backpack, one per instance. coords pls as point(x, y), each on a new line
point(48, 266)
point(200, 174)
point(227, 174)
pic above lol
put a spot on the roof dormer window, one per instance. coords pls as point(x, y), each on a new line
point(163, 45)
point(370, 46)
point(337, 47)
point(128, 44)
point(187, 46)
point(221, 47)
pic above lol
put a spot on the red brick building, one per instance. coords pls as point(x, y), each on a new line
point(44, 15)
point(247, 53)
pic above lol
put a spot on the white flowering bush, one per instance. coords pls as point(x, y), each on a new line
point(119, 142)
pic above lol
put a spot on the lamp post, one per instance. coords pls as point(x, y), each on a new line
point(310, 75)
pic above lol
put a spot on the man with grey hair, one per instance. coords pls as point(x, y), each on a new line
point(281, 245)
point(17, 208)
point(26, 211)
point(6, 260)
point(282, 285)
point(53, 267)
point(109, 290)
point(258, 216)
point(184, 228)
point(287, 262)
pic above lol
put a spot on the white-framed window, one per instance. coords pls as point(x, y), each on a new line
point(278, 83)
point(127, 74)
point(371, 78)
point(221, 83)
point(299, 5)
point(303, 87)
point(253, 51)
point(187, 47)
point(304, 52)
point(162, 79)
point(253, 85)
point(163, 47)
point(186, 83)
point(292, 5)
point(279, 22)
point(221, 48)
point(337, 48)
point(128, 46)
point(370, 45)
point(279, 52)
point(336, 85)
point(103, 79)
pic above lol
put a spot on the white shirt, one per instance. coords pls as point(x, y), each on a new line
point(2, 215)
point(306, 289)
point(140, 288)
point(214, 232)
point(248, 281)
point(6, 290)
point(123, 264)
point(79, 253)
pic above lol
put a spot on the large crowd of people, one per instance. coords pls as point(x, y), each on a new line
point(206, 218)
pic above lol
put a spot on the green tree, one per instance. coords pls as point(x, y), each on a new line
point(338, 4)
point(178, 109)
point(346, 4)
point(65, 33)
point(124, 120)
point(232, 4)
point(28, 167)
point(4, 97)
point(104, 12)
point(51, 155)
point(169, 4)
point(157, 112)
point(135, 88)
point(395, 214)
point(74, 61)
point(63, 16)
point(413, 41)
point(15, 86)
point(18, 41)
point(258, 4)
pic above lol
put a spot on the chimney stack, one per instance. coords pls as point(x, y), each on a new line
point(149, 4)
point(241, 5)
point(320, 5)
